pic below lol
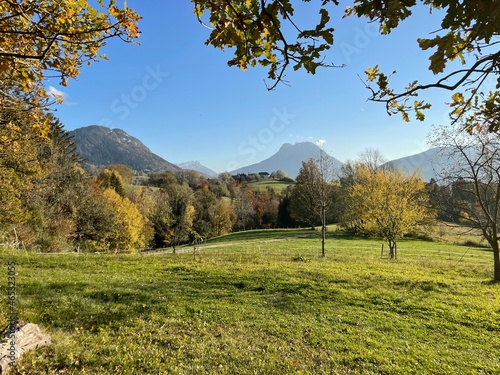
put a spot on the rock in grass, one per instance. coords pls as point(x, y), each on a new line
point(18, 338)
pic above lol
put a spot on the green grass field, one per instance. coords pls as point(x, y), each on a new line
point(277, 185)
point(263, 302)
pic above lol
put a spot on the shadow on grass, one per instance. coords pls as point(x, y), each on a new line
point(478, 245)
point(90, 305)
point(346, 236)
point(262, 234)
point(71, 305)
point(492, 282)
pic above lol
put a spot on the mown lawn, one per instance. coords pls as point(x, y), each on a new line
point(264, 302)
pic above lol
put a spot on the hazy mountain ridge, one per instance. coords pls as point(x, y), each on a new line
point(289, 158)
point(101, 146)
point(430, 163)
point(198, 167)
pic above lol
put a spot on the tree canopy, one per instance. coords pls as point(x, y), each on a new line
point(265, 33)
point(472, 172)
point(53, 39)
point(313, 194)
point(387, 203)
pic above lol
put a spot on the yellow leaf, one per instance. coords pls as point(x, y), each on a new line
point(458, 97)
point(371, 73)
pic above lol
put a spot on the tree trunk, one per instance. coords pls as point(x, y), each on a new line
point(493, 241)
point(392, 248)
point(323, 230)
point(496, 262)
point(323, 235)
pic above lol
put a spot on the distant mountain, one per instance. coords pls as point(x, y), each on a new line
point(289, 158)
point(430, 163)
point(198, 167)
point(101, 146)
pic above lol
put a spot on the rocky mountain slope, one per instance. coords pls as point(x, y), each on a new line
point(101, 146)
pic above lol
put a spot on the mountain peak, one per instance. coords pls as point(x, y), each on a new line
point(289, 158)
point(101, 146)
point(195, 165)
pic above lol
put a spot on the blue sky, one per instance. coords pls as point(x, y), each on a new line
point(180, 98)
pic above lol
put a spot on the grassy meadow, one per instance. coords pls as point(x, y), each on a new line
point(263, 302)
point(277, 185)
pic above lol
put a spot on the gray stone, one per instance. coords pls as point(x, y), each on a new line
point(16, 340)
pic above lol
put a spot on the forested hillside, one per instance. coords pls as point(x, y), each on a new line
point(99, 146)
point(50, 204)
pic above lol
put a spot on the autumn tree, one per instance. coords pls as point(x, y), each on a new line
point(126, 231)
point(223, 217)
point(372, 158)
point(285, 219)
point(312, 195)
point(204, 202)
point(111, 179)
point(160, 215)
point(213, 217)
point(55, 199)
point(267, 208)
point(18, 166)
point(181, 201)
point(52, 38)
point(347, 179)
point(125, 172)
point(189, 177)
point(108, 222)
point(304, 206)
point(388, 203)
point(41, 40)
point(255, 30)
point(472, 177)
point(154, 206)
point(178, 214)
point(162, 180)
point(243, 202)
point(222, 184)
point(279, 175)
point(266, 33)
point(92, 220)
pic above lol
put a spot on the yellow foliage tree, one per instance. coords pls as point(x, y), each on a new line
point(18, 164)
point(40, 39)
point(222, 214)
point(387, 203)
point(126, 231)
point(111, 179)
point(53, 38)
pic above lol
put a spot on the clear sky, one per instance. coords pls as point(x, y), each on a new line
point(180, 98)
